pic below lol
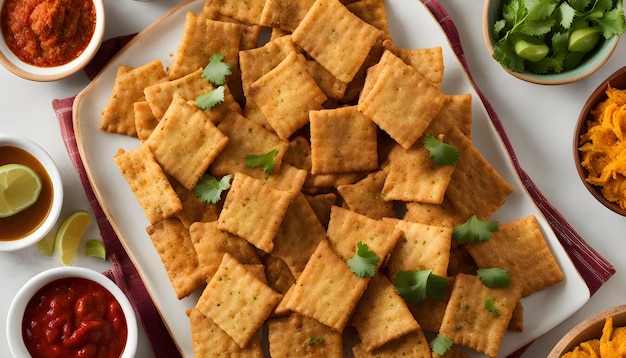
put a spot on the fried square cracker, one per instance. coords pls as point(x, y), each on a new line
point(415, 177)
point(427, 61)
point(256, 62)
point(254, 211)
point(250, 34)
point(209, 340)
point(202, 38)
point(393, 105)
point(455, 112)
point(373, 12)
point(413, 344)
point(382, 303)
point(298, 235)
point(245, 138)
point(300, 336)
point(211, 243)
point(278, 274)
point(277, 90)
point(149, 183)
point(190, 86)
point(336, 38)
point(185, 142)
point(520, 247)
point(244, 11)
point(119, 116)
point(327, 290)
point(321, 205)
point(421, 247)
point(347, 228)
point(332, 87)
point(443, 214)
point(364, 197)
point(284, 14)
point(194, 209)
point(342, 140)
point(173, 243)
point(430, 311)
point(476, 187)
point(468, 322)
point(145, 121)
point(237, 301)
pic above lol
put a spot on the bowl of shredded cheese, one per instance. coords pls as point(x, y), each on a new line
point(600, 143)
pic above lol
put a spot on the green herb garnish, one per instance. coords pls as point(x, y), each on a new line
point(441, 345)
point(440, 152)
point(494, 277)
point(265, 161)
point(217, 70)
point(490, 306)
point(209, 189)
point(474, 230)
point(211, 99)
point(364, 261)
point(415, 286)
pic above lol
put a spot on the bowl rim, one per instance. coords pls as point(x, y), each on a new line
point(608, 46)
point(594, 98)
point(595, 321)
point(47, 74)
point(57, 190)
point(23, 296)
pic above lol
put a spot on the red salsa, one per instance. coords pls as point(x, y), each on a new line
point(74, 317)
point(47, 33)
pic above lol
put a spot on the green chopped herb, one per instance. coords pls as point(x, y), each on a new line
point(211, 99)
point(265, 161)
point(440, 152)
point(415, 286)
point(217, 70)
point(364, 261)
point(491, 306)
point(209, 189)
point(474, 230)
point(494, 277)
point(441, 345)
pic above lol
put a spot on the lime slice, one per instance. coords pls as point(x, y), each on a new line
point(45, 246)
point(70, 234)
point(531, 51)
point(20, 187)
point(583, 40)
point(95, 248)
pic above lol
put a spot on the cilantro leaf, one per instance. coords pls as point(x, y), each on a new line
point(474, 230)
point(490, 306)
point(441, 153)
point(265, 161)
point(494, 277)
point(211, 99)
point(441, 345)
point(364, 261)
point(209, 189)
point(415, 286)
point(217, 70)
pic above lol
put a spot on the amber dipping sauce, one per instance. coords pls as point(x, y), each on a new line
point(27, 221)
point(47, 33)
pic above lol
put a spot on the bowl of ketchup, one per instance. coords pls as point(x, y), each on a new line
point(71, 312)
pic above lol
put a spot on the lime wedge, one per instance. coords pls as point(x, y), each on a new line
point(20, 187)
point(531, 51)
point(95, 248)
point(583, 40)
point(70, 235)
point(45, 246)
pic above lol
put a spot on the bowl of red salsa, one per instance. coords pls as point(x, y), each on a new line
point(48, 40)
point(32, 223)
point(71, 312)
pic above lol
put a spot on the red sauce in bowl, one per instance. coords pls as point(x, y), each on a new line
point(47, 33)
point(74, 317)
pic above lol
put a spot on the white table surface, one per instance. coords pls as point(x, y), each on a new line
point(539, 121)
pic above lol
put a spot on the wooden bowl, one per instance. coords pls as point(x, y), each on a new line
point(616, 80)
point(588, 329)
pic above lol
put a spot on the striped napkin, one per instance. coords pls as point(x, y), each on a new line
point(593, 268)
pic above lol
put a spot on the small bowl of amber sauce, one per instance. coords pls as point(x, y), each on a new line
point(71, 312)
point(48, 40)
point(27, 216)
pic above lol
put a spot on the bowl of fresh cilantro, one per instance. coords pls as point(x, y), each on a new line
point(552, 42)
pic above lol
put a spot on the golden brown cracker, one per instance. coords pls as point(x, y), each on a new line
point(194, 210)
point(118, 116)
point(321, 205)
point(520, 247)
point(254, 211)
point(277, 90)
point(327, 290)
point(190, 86)
point(455, 112)
point(244, 11)
point(208, 340)
point(149, 183)
point(373, 12)
point(413, 344)
point(278, 274)
point(284, 14)
point(185, 142)
point(237, 301)
point(202, 38)
point(336, 38)
point(332, 87)
point(365, 196)
point(430, 311)
point(391, 101)
point(173, 243)
point(342, 140)
point(256, 62)
point(443, 214)
point(145, 121)
point(300, 336)
point(427, 61)
point(382, 303)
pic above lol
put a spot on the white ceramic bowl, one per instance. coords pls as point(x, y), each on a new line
point(10, 140)
point(18, 306)
point(45, 74)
